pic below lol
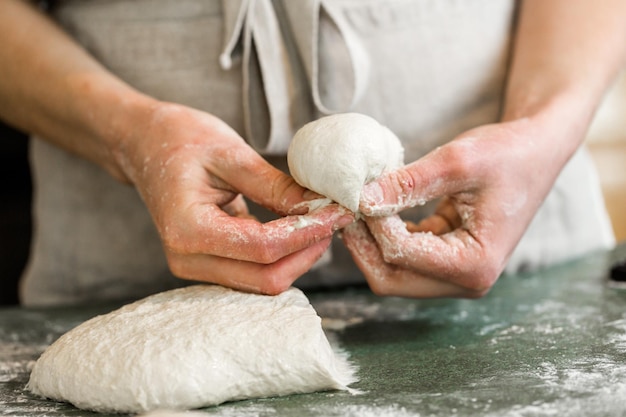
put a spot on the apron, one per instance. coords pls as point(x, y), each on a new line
point(427, 69)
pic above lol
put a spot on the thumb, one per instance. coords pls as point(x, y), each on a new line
point(435, 175)
point(259, 181)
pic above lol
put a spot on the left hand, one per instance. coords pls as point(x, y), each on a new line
point(491, 181)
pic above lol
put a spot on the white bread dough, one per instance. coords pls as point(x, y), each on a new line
point(337, 155)
point(192, 347)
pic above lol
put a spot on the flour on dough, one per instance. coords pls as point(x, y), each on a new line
point(337, 155)
point(192, 347)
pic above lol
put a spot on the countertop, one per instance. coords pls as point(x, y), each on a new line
point(551, 343)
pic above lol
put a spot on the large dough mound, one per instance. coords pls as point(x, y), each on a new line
point(337, 155)
point(189, 348)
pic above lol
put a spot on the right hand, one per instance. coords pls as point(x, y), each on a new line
point(191, 170)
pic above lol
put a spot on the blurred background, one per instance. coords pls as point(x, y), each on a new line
point(15, 221)
point(606, 141)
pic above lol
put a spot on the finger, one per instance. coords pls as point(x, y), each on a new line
point(237, 208)
point(248, 276)
point(434, 224)
point(392, 280)
point(441, 172)
point(255, 178)
point(444, 220)
point(215, 232)
point(455, 257)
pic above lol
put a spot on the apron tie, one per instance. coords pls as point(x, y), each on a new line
point(274, 106)
point(343, 59)
point(266, 78)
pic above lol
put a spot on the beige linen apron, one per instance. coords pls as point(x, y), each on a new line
point(428, 69)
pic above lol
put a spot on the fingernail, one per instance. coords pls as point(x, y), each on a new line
point(310, 195)
point(372, 199)
point(372, 194)
point(344, 221)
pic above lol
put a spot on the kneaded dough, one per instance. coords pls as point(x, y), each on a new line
point(192, 347)
point(337, 155)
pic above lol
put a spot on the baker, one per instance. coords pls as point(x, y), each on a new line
point(139, 110)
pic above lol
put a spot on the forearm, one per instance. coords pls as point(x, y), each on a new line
point(51, 87)
point(566, 54)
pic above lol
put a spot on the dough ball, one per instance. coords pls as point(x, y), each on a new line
point(192, 347)
point(337, 155)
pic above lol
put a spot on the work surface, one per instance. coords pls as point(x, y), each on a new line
point(545, 344)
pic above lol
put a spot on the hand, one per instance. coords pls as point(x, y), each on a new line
point(190, 169)
point(491, 180)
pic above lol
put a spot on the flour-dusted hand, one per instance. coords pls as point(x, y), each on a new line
point(192, 170)
point(492, 179)
point(490, 182)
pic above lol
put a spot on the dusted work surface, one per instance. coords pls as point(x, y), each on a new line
point(545, 344)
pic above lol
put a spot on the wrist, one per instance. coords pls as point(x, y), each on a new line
point(112, 112)
point(561, 117)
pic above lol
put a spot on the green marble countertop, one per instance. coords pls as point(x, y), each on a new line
point(551, 343)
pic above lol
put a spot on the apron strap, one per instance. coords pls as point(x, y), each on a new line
point(266, 73)
point(345, 55)
point(273, 105)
